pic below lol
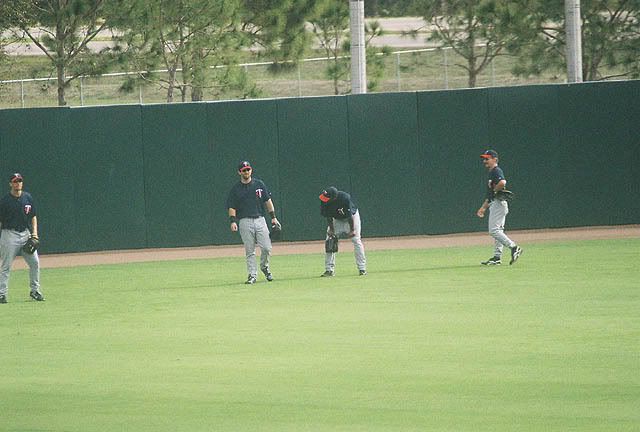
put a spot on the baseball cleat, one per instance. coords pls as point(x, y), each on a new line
point(267, 274)
point(250, 280)
point(363, 272)
point(3, 299)
point(36, 295)
point(328, 273)
point(492, 261)
point(516, 251)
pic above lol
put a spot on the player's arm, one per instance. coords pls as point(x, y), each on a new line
point(233, 220)
point(34, 226)
point(352, 230)
point(349, 210)
point(272, 211)
point(483, 208)
point(500, 186)
point(270, 207)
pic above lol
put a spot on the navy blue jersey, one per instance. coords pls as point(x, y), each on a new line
point(248, 199)
point(16, 212)
point(495, 176)
point(341, 207)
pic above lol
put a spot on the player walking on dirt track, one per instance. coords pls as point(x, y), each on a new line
point(246, 202)
point(496, 202)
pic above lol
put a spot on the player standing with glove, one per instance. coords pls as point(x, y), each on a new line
point(245, 205)
point(496, 202)
point(343, 218)
point(19, 236)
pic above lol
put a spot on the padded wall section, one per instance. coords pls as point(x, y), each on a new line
point(524, 128)
point(386, 167)
point(600, 145)
point(452, 132)
point(178, 175)
point(35, 142)
point(313, 154)
point(124, 177)
point(107, 167)
point(237, 131)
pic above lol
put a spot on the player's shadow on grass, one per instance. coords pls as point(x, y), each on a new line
point(212, 284)
point(372, 273)
point(350, 273)
point(434, 268)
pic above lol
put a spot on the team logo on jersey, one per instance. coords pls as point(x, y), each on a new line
point(27, 209)
point(259, 193)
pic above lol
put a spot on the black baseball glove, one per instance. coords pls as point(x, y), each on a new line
point(331, 244)
point(504, 195)
point(31, 245)
point(276, 231)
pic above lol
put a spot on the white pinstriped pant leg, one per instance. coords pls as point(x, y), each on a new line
point(358, 247)
point(264, 242)
point(329, 257)
point(498, 211)
point(255, 232)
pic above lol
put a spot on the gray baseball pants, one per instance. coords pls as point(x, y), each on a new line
point(342, 227)
point(255, 232)
point(498, 211)
point(11, 243)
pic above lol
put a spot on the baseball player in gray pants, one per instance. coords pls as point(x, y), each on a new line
point(245, 205)
point(19, 223)
point(498, 210)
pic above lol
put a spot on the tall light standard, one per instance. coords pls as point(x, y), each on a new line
point(358, 49)
point(574, 40)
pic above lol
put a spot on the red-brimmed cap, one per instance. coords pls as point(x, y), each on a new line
point(244, 165)
point(489, 154)
point(15, 176)
point(328, 194)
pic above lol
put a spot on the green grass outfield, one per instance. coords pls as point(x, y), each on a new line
point(428, 341)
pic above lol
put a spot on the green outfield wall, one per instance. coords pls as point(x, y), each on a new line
point(136, 176)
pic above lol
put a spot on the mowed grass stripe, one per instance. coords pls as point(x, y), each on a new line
point(429, 340)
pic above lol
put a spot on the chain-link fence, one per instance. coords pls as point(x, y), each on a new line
point(411, 70)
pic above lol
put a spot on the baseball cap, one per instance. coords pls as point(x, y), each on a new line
point(489, 154)
point(243, 165)
point(15, 176)
point(328, 194)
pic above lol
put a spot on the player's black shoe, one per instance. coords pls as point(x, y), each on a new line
point(267, 274)
point(363, 272)
point(328, 273)
point(250, 280)
point(492, 261)
point(36, 295)
point(3, 299)
point(516, 251)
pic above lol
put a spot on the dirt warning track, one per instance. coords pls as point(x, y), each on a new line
point(309, 247)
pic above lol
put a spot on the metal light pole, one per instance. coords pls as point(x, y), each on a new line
point(574, 40)
point(358, 54)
